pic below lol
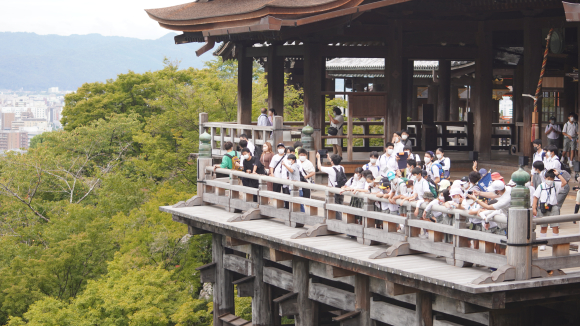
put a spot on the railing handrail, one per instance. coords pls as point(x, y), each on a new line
point(232, 125)
point(500, 218)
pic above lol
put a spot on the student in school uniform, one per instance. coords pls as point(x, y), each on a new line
point(570, 133)
point(552, 161)
point(398, 145)
point(410, 155)
point(445, 162)
point(405, 138)
point(411, 164)
point(277, 170)
point(307, 172)
point(420, 186)
point(332, 172)
point(398, 190)
point(546, 201)
point(432, 168)
point(373, 165)
point(388, 161)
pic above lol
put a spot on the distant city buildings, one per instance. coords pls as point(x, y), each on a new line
point(24, 115)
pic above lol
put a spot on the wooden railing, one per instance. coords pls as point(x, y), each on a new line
point(505, 137)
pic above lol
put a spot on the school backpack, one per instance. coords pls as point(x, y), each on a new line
point(433, 187)
point(441, 172)
point(235, 161)
point(340, 177)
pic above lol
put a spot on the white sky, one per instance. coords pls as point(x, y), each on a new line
point(66, 17)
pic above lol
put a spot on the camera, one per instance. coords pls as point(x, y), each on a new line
point(323, 153)
point(470, 192)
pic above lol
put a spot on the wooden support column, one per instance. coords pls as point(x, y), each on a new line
point(261, 301)
point(444, 104)
point(433, 97)
point(223, 292)
point(423, 309)
point(518, 100)
point(454, 104)
point(313, 104)
point(520, 232)
point(363, 299)
point(411, 96)
point(533, 56)
point(415, 104)
point(578, 84)
point(275, 70)
point(307, 309)
point(483, 106)
point(245, 66)
point(395, 72)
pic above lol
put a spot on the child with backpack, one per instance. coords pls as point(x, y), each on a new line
point(231, 160)
point(434, 169)
point(546, 201)
point(445, 162)
point(336, 176)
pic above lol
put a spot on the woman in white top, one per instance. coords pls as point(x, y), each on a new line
point(337, 122)
point(445, 162)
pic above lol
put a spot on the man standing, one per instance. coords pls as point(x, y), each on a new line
point(570, 132)
point(252, 165)
point(263, 119)
point(553, 132)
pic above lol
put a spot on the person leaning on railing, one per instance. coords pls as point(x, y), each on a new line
point(252, 165)
point(227, 160)
point(332, 172)
point(419, 187)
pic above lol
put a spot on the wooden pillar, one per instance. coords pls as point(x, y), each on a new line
point(363, 299)
point(415, 104)
point(423, 309)
point(483, 106)
point(223, 292)
point(395, 68)
point(245, 66)
point(454, 104)
point(520, 232)
point(444, 104)
point(433, 96)
point(307, 309)
point(533, 56)
point(261, 301)
point(411, 96)
point(313, 105)
point(518, 100)
point(275, 70)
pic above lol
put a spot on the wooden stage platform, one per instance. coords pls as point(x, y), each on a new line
point(398, 279)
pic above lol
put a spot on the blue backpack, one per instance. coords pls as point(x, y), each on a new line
point(441, 172)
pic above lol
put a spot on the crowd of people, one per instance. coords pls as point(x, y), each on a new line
point(400, 174)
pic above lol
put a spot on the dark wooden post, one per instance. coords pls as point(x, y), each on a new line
point(532, 66)
point(411, 96)
point(261, 301)
point(444, 104)
point(395, 68)
point(483, 87)
point(245, 66)
point(433, 96)
point(223, 292)
point(275, 67)
point(454, 104)
point(313, 105)
point(415, 105)
point(423, 308)
point(363, 299)
point(307, 309)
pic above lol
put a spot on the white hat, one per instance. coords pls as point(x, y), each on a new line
point(497, 185)
point(444, 184)
point(456, 191)
point(457, 184)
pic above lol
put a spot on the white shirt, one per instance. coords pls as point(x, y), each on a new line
point(251, 147)
point(279, 171)
point(548, 194)
point(375, 169)
point(552, 163)
point(571, 128)
point(445, 163)
point(537, 157)
point(503, 202)
point(430, 207)
point(263, 120)
point(432, 171)
point(399, 147)
point(339, 125)
point(307, 168)
point(472, 207)
point(388, 163)
point(420, 187)
point(356, 183)
point(331, 173)
point(553, 135)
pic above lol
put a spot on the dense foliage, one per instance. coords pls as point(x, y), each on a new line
point(82, 241)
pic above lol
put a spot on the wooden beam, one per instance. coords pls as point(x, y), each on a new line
point(245, 286)
point(440, 52)
point(394, 289)
point(338, 272)
point(392, 314)
point(444, 104)
point(195, 231)
point(288, 304)
point(245, 71)
point(353, 51)
point(278, 278)
point(275, 71)
point(331, 296)
point(278, 256)
point(233, 242)
point(223, 291)
point(207, 272)
point(483, 89)
point(307, 309)
point(261, 313)
point(237, 264)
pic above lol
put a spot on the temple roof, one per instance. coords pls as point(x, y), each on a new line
point(379, 64)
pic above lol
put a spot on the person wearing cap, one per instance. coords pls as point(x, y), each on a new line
point(503, 194)
point(444, 184)
point(496, 176)
point(552, 161)
point(277, 169)
point(570, 132)
point(553, 132)
point(546, 201)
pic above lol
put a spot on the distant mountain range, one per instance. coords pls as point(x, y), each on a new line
point(36, 62)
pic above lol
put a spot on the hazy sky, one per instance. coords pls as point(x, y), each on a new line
point(66, 17)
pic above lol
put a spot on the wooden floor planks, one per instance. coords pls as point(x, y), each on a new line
point(422, 266)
